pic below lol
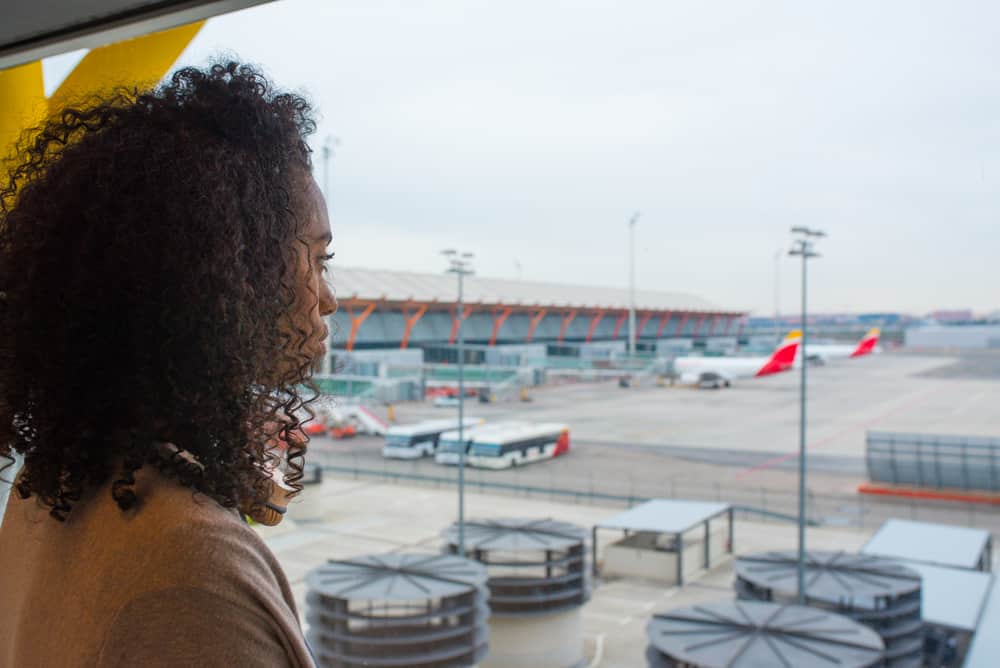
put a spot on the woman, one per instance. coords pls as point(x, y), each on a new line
point(162, 259)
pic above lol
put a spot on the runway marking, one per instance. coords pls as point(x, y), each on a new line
point(768, 463)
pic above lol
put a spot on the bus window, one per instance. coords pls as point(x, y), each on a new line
point(397, 441)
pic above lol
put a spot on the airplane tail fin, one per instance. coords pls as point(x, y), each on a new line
point(783, 357)
point(867, 343)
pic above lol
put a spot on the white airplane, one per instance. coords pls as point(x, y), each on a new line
point(824, 352)
point(721, 371)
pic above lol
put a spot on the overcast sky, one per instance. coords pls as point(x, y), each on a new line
point(529, 131)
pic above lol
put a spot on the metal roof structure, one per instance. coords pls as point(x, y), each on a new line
point(409, 287)
point(830, 576)
point(391, 610)
point(665, 516)
point(957, 547)
point(380, 308)
point(737, 634)
point(985, 646)
point(536, 566)
point(672, 517)
point(34, 30)
point(952, 597)
point(396, 577)
point(516, 535)
point(874, 591)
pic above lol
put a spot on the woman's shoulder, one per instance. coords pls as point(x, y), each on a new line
point(192, 530)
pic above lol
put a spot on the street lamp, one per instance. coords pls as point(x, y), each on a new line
point(328, 153)
point(460, 264)
point(802, 246)
point(631, 283)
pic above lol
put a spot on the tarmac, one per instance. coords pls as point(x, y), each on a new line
point(738, 445)
point(889, 392)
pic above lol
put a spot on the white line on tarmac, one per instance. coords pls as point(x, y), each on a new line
point(598, 651)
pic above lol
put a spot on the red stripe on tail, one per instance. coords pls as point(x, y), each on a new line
point(867, 344)
point(783, 358)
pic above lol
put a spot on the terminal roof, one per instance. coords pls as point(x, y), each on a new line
point(406, 286)
point(665, 516)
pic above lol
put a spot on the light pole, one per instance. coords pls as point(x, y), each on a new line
point(328, 152)
point(460, 264)
point(631, 283)
point(777, 293)
point(802, 246)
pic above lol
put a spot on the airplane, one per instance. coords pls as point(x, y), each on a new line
point(824, 352)
point(721, 371)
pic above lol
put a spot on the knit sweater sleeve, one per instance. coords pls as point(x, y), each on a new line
point(187, 626)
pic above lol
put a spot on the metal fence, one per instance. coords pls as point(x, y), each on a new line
point(931, 460)
point(761, 503)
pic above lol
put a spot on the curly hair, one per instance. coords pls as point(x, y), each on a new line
point(146, 268)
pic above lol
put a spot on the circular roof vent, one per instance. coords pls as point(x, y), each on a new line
point(534, 565)
point(877, 592)
point(426, 611)
point(735, 634)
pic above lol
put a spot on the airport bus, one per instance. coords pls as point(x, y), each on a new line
point(413, 441)
point(520, 444)
point(449, 447)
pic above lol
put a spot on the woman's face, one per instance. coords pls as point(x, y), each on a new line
point(314, 294)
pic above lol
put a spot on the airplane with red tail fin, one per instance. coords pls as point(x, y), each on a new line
point(721, 371)
point(866, 346)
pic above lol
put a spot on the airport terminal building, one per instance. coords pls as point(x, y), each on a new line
point(398, 309)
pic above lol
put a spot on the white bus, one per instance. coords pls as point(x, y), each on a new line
point(449, 448)
point(518, 445)
point(413, 441)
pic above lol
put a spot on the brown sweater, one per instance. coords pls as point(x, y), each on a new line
point(181, 581)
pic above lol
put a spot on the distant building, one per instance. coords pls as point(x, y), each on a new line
point(841, 325)
point(952, 316)
point(953, 336)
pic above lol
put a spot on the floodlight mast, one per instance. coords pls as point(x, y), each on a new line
point(802, 246)
point(631, 283)
point(460, 264)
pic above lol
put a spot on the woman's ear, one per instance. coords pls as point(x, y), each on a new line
point(272, 511)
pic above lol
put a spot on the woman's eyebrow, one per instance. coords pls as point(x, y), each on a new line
point(326, 238)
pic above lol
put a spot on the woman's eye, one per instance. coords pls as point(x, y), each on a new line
point(324, 260)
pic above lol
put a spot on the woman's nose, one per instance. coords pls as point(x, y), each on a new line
point(327, 299)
